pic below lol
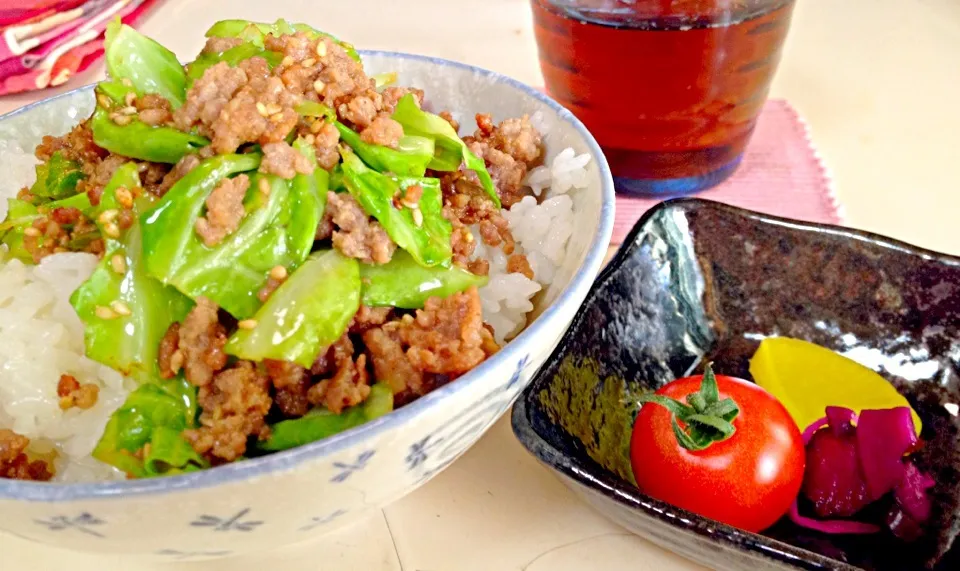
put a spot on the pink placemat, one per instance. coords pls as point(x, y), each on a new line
point(781, 174)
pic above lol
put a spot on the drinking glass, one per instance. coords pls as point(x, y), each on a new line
point(670, 88)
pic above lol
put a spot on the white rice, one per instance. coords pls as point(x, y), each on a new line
point(41, 336)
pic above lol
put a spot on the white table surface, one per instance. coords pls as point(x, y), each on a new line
point(879, 83)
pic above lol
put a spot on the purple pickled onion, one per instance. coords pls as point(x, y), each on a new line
point(840, 419)
point(812, 429)
point(833, 480)
point(835, 526)
point(911, 493)
point(883, 438)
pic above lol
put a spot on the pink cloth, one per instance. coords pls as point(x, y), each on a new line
point(781, 174)
point(45, 42)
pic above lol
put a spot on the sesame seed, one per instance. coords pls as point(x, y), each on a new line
point(468, 237)
point(287, 61)
point(309, 62)
point(309, 139)
point(105, 312)
point(418, 217)
point(129, 110)
point(319, 86)
point(108, 216)
point(121, 119)
point(273, 108)
point(321, 48)
point(104, 101)
point(124, 197)
point(316, 126)
point(129, 98)
point(111, 230)
point(264, 186)
point(276, 117)
point(121, 308)
point(31, 231)
point(247, 324)
point(278, 273)
point(262, 109)
point(119, 264)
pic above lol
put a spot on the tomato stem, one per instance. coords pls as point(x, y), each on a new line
point(707, 418)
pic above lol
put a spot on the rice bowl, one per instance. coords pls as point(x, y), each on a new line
point(422, 418)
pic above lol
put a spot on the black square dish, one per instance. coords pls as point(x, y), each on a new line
point(696, 281)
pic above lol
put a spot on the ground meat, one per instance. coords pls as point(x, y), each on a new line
point(518, 263)
point(369, 317)
point(466, 204)
point(357, 235)
point(14, 463)
point(220, 45)
point(393, 95)
point(461, 239)
point(445, 338)
point(77, 145)
point(236, 105)
point(284, 161)
point(73, 394)
point(340, 75)
point(324, 227)
point(66, 215)
point(234, 405)
point(224, 210)
point(507, 173)
point(291, 382)
point(333, 357)
point(201, 341)
point(344, 381)
point(361, 110)
point(382, 131)
point(349, 386)
point(98, 175)
point(186, 164)
point(169, 356)
point(509, 151)
point(154, 109)
point(45, 237)
point(515, 137)
point(479, 267)
point(60, 230)
point(152, 175)
point(326, 139)
point(390, 363)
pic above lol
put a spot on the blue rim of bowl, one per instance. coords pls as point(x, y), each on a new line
point(578, 287)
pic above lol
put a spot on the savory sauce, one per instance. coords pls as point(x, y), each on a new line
point(670, 89)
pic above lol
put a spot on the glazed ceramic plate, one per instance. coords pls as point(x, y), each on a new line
point(698, 280)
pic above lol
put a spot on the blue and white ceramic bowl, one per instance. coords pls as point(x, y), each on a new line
point(292, 496)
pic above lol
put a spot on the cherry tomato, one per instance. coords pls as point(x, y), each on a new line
point(747, 479)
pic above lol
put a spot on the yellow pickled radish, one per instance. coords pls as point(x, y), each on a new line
point(807, 378)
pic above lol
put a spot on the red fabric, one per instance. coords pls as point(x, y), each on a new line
point(781, 174)
point(45, 42)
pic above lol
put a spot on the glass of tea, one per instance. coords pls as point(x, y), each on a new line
point(670, 88)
